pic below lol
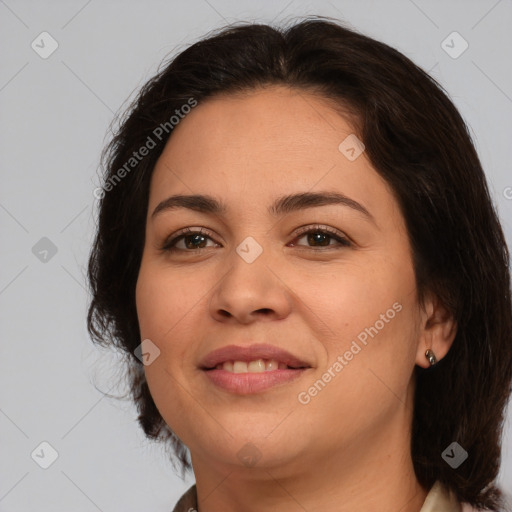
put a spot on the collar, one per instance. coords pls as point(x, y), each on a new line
point(439, 499)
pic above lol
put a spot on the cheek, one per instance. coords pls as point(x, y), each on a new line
point(366, 311)
point(351, 297)
point(171, 309)
point(160, 306)
point(161, 302)
point(149, 300)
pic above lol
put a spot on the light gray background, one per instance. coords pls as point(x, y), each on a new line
point(54, 118)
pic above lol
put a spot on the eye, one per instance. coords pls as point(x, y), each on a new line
point(196, 239)
point(321, 236)
point(189, 238)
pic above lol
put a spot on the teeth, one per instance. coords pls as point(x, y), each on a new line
point(272, 365)
point(228, 365)
point(256, 366)
point(239, 367)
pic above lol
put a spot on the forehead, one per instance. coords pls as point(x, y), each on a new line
point(263, 143)
point(259, 122)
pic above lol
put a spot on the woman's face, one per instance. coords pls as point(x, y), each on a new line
point(342, 302)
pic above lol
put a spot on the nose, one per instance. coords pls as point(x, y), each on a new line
point(250, 292)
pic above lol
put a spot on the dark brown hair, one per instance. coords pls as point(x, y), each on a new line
point(417, 141)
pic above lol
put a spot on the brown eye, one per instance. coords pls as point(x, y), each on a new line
point(322, 237)
point(189, 239)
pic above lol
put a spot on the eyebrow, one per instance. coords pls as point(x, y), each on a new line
point(280, 207)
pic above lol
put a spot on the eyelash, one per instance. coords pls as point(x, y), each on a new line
point(169, 243)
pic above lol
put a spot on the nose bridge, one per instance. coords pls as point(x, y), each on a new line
point(249, 273)
point(249, 285)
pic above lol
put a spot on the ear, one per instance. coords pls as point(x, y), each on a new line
point(437, 331)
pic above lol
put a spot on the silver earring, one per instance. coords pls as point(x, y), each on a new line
point(429, 354)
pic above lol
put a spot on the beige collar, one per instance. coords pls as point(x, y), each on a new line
point(439, 499)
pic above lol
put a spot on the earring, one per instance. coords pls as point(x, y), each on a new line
point(429, 354)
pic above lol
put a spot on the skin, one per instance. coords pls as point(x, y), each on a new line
point(349, 447)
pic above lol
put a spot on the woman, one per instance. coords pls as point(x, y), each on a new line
point(298, 253)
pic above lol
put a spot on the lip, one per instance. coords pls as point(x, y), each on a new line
point(251, 353)
point(249, 383)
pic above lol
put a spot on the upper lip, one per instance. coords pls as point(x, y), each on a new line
point(251, 353)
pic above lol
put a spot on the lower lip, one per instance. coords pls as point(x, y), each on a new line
point(248, 383)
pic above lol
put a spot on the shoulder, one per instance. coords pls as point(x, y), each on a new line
point(442, 499)
point(466, 507)
point(188, 501)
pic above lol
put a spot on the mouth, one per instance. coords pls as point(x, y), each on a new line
point(254, 366)
point(251, 359)
point(252, 369)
